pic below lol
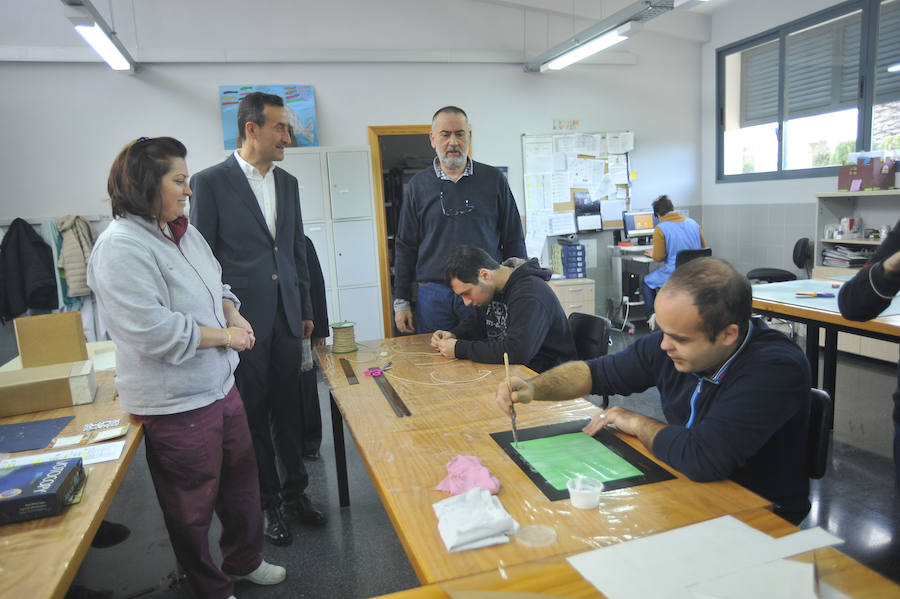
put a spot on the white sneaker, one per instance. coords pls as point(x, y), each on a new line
point(265, 574)
point(232, 597)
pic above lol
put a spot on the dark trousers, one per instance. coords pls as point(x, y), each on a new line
point(268, 378)
point(648, 294)
point(202, 461)
point(438, 308)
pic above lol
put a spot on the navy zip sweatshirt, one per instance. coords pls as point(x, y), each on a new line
point(750, 419)
point(524, 320)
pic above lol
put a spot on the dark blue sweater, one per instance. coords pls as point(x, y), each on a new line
point(525, 320)
point(425, 236)
point(750, 427)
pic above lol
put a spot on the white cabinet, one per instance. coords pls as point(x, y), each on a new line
point(350, 184)
point(874, 208)
point(337, 205)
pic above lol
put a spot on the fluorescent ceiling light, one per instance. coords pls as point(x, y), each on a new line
point(102, 45)
point(581, 52)
point(894, 67)
point(689, 3)
point(595, 45)
point(90, 25)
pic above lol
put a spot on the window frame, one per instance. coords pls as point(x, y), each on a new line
point(865, 95)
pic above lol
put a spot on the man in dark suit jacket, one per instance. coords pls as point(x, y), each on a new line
point(249, 212)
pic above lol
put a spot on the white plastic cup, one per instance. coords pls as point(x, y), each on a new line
point(584, 492)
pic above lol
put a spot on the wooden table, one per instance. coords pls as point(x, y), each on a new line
point(556, 577)
point(766, 301)
point(39, 558)
point(406, 458)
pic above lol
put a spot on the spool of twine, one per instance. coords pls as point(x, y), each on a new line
point(342, 340)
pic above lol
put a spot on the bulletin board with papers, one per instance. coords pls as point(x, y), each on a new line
point(574, 182)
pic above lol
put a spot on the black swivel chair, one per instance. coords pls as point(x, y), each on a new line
point(688, 255)
point(802, 258)
point(591, 335)
point(821, 419)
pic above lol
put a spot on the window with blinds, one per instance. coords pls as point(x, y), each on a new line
point(794, 101)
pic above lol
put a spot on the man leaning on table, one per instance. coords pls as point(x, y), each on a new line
point(734, 392)
point(516, 312)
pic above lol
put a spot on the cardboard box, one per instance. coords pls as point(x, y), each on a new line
point(877, 173)
point(39, 490)
point(47, 387)
point(50, 339)
point(847, 173)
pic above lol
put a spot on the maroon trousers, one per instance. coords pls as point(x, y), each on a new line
point(203, 461)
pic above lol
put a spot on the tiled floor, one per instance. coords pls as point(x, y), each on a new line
point(358, 554)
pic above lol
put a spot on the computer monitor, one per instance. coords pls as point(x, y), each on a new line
point(639, 223)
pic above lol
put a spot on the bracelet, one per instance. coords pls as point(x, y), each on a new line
point(872, 283)
point(227, 339)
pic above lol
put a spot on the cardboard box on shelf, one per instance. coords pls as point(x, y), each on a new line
point(47, 387)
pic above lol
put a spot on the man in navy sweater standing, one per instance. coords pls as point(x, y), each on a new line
point(735, 393)
point(515, 313)
point(455, 201)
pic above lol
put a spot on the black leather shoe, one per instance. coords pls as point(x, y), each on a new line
point(109, 534)
point(275, 529)
point(302, 509)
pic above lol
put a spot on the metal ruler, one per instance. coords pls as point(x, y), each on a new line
point(391, 395)
point(348, 372)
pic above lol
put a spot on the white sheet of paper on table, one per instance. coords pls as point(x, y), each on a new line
point(646, 568)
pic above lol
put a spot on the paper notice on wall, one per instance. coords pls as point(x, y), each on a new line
point(537, 153)
point(619, 143)
point(561, 223)
point(612, 209)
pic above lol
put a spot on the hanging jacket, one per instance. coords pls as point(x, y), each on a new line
point(78, 237)
point(27, 278)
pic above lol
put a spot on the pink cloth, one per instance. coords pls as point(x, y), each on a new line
point(465, 472)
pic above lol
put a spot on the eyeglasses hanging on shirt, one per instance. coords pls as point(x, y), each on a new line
point(453, 206)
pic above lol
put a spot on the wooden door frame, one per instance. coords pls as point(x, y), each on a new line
point(375, 134)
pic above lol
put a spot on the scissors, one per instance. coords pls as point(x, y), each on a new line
point(373, 372)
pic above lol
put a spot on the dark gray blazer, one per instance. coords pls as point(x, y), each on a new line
point(225, 210)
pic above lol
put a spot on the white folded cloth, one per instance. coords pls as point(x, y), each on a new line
point(472, 520)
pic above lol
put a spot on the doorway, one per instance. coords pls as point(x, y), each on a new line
point(398, 153)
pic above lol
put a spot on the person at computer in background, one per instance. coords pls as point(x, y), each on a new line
point(673, 234)
point(735, 393)
point(455, 201)
point(516, 312)
point(868, 294)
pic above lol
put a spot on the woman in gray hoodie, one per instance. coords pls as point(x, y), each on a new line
point(177, 331)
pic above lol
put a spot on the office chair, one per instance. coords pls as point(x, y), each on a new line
point(688, 255)
point(821, 419)
point(591, 335)
point(801, 257)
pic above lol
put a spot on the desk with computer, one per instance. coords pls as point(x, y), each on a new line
point(630, 262)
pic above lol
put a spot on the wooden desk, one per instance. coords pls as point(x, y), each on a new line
point(556, 577)
point(406, 458)
point(39, 558)
point(886, 328)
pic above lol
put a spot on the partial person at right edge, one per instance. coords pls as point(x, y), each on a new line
point(456, 201)
point(735, 394)
point(673, 234)
point(868, 294)
point(516, 312)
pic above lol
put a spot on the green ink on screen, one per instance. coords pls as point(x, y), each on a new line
point(562, 457)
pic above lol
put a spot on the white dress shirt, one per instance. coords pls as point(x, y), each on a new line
point(263, 188)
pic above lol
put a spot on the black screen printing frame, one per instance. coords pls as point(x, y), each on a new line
point(652, 472)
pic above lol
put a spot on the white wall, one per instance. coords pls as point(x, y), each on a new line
point(67, 121)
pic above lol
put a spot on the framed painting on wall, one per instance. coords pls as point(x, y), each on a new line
point(299, 100)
